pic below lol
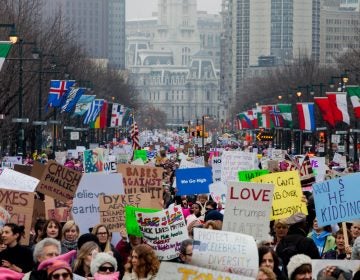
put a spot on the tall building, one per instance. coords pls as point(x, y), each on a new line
point(99, 25)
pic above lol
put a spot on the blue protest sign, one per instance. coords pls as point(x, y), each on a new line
point(193, 180)
point(337, 200)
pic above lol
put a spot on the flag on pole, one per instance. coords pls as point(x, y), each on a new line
point(70, 99)
point(5, 47)
point(324, 107)
point(306, 116)
point(264, 118)
point(83, 104)
point(135, 136)
point(58, 89)
point(245, 120)
point(285, 111)
point(354, 93)
point(338, 105)
point(101, 119)
point(276, 116)
point(116, 115)
point(93, 111)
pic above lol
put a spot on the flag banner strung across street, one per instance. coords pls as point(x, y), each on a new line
point(285, 111)
point(5, 47)
point(276, 116)
point(306, 116)
point(93, 110)
point(58, 89)
point(338, 106)
point(70, 99)
point(83, 104)
point(324, 105)
point(116, 115)
point(354, 93)
point(264, 118)
point(101, 119)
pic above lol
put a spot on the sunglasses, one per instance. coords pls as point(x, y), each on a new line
point(64, 275)
point(106, 268)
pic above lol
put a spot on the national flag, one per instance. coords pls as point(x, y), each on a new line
point(5, 47)
point(326, 112)
point(101, 119)
point(127, 119)
point(245, 120)
point(93, 111)
point(338, 105)
point(354, 93)
point(264, 118)
point(276, 116)
point(83, 104)
point(70, 99)
point(135, 136)
point(306, 116)
point(285, 111)
point(116, 115)
point(58, 89)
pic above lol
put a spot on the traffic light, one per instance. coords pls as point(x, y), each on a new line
point(198, 130)
point(322, 137)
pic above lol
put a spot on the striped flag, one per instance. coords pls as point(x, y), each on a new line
point(116, 115)
point(101, 119)
point(5, 47)
point(338, 106)
point(83, 104)
point(135, 136)
point(70, 99)
point(93, 111)
point(306, 116)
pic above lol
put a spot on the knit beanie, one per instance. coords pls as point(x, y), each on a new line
point(98, 259)
point(8, 274)
point(86, 238)
point(58, 264)
point(213, 215)
point(64, 257)
point(297, 261)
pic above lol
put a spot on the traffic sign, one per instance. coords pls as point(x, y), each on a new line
point(19, 120)
point(264, 136)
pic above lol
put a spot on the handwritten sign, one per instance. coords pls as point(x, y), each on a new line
point(216, 168)
point(233, 161)
point(142, 154)
point(319, 167)
point(176, 271)
point(247, 175)
point(10, 179)
point(218, 192)
point(131, 224)
point(24, 169)
point(287, 194)
point(55, 209)
point(193, 180)
point(59, 181)
point(112, 212)
point(163, 231)
point(110, 167)
point(345, 266)
point(142, 180)
point(337, 200)
point(225, 251)
point(248, 208)
point(20, 205)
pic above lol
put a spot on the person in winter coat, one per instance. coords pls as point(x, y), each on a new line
point(322, 238)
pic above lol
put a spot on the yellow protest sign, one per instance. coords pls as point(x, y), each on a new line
point(287, 197)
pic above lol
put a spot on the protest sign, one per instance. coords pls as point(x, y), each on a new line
point(24, 169)
point(163, 231)
point(112, 212)
point(247, 175)
point(176, 271)
point(85, 208)
point(218, 192)
point(233, 161)
point(188, 164)
point(225, 251)
point(131, 224)
point(37, 170)
point(55, 209)
point(277, 154)
point(287, 197)
point(193, 180)
point(142, 180)
point(272, 165)
point(337, 200)
point(94, 160)
point(142, 154)
point(319, 167)
point(9, 162)
point(342, 269)
point(20, 205)
point(122, 158)
point(216, 168)
point(13, 180)
point(110, 166)
point(199, 161)
point(60, 157)
point(72, 153)
point(39, 211)
point(58, 181)
point(248, 208)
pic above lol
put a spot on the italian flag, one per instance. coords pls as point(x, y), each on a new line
point(4, 50)
point(354, 93)
point(285, 111)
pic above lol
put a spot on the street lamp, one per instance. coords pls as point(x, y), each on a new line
point(298, 93)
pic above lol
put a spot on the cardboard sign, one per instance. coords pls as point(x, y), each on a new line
point(233, 161)
point(39, 211)
point(218, 192)
point(248, 209)
point(13, 180)
point(142, 180)
point(85, 208)
point(59, 181)
point(131, 224)
point(337, 200)
point(287, 194)
point(176, 271)
point(20, 206)
point(193, 180)
point(225, 251)
point(57, 210)
point(247, 175)
point(163, 231)
point(37, 170)
point(112, 212)
point(142, 154)
point(24, 169)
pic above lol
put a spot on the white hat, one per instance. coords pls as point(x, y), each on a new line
point(98, 259)
point(297, 261)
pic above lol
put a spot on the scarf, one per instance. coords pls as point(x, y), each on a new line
point(69, 245)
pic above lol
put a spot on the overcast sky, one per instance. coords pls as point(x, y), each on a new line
point(144, 8)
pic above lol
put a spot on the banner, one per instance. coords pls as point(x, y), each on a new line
point(176, 271)
point(287, 197)
point(163, 231)
point(233, 161)
point(225, 251)
point(337, 200)
point(131, 224)
point(247, 175)
point(248, 209)
point(13, 180)
point(112, 213)
point(59, 181)
point(193, 180)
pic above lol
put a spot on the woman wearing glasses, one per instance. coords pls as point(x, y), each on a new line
point(104, 266)
point(186, 251)
point(143, 264)
point(59, 270)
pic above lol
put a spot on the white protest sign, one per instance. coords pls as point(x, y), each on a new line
point(60, 157)
point(11, 161)
point(13, 180)
point(345, 268)
point(233, 161)
point(80, 149)
point(277, 154)
point(248, 209)
point(337, 158)
point(109, 167)
point(216, 168)
point(225, 251)
point(73, 154)
point(85, 208)
point(319, 166)
point(188, 164)
point(199, 161)
point(163, 231)
point(176, 271)
point(218, 192)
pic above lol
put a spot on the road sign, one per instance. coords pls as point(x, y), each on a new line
point(18, 120)
point(39, 123)
point(264, 136)
point(74, 135)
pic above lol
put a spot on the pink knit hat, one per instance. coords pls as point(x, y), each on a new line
point(8, 274)
point(58, 264)
point(65, 257)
